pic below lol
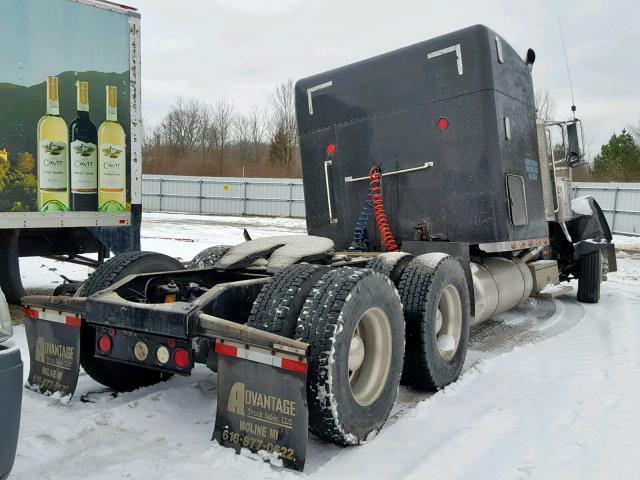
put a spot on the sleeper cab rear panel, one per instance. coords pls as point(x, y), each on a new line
point(379, 112)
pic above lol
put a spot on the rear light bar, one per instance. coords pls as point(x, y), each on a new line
point(274, 358)
point(144, 350)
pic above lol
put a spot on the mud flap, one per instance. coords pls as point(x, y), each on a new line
point(262, 402)
point(54, 350)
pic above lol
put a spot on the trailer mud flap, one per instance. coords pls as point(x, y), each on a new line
point(54, 351)
point(262, 402)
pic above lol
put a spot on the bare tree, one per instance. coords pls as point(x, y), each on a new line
point(221, 131)
point(283, 125)
point(242, 136)
point(179, 129)
point(197, 138)
point(257, 131)
point(545, 105)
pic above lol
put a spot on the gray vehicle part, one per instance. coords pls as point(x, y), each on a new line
point(281, 252)
point(499, 284)
point(6, 330)
point(10, 405)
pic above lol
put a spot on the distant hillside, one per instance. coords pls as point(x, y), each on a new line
point(22, 107)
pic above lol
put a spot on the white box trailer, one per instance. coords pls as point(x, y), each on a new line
point(69, 185)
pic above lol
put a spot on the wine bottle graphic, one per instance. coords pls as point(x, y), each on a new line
point(83, 140)
point(112, 168)
point(53, 155)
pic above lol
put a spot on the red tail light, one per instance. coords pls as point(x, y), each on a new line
point(104, 343)
point(181, 358)
point(443, 123)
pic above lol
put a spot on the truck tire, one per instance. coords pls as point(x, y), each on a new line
point(352, 320)
point(590, 276)
point(208, 256)
point(120, 377)
point(434, 293)
point(390, 264)
point(10, 280)
point(278, 305)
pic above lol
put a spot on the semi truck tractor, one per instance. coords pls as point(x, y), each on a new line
point(434, 201)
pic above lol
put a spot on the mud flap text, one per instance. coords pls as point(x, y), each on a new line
point(262, 408)
point(54, 350)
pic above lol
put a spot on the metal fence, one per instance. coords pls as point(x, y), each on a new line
point(620, 203)
point(270, 197)
point(277, 197)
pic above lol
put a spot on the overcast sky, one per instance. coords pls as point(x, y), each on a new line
point(241, 49)
point(36, 20)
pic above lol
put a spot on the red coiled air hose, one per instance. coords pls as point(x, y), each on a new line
point(378, 209)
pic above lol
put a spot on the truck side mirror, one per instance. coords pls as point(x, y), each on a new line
point(574, 153)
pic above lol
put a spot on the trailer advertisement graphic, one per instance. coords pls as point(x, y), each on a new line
point(65, 121)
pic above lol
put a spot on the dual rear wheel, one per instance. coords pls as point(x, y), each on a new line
point(354, 321)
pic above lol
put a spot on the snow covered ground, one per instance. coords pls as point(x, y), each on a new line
point(549, 390)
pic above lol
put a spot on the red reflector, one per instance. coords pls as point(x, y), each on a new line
point(104, 343)
point(122, 221)
point(73, 321)
point(30, 312)
point(181, 358)
point(224, 349)
point(294, 365)
point(443, 123)
point(331, 148)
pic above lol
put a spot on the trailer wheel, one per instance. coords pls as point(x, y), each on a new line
point(589, 277)
point(10, 280)
point(353, 321)
point(434, 293)
point(390, 264)
point(278, 305)
point(122, 378)
point(208, 256)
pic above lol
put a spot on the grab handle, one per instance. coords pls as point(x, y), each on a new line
point(404, 170)
point(327, 164)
